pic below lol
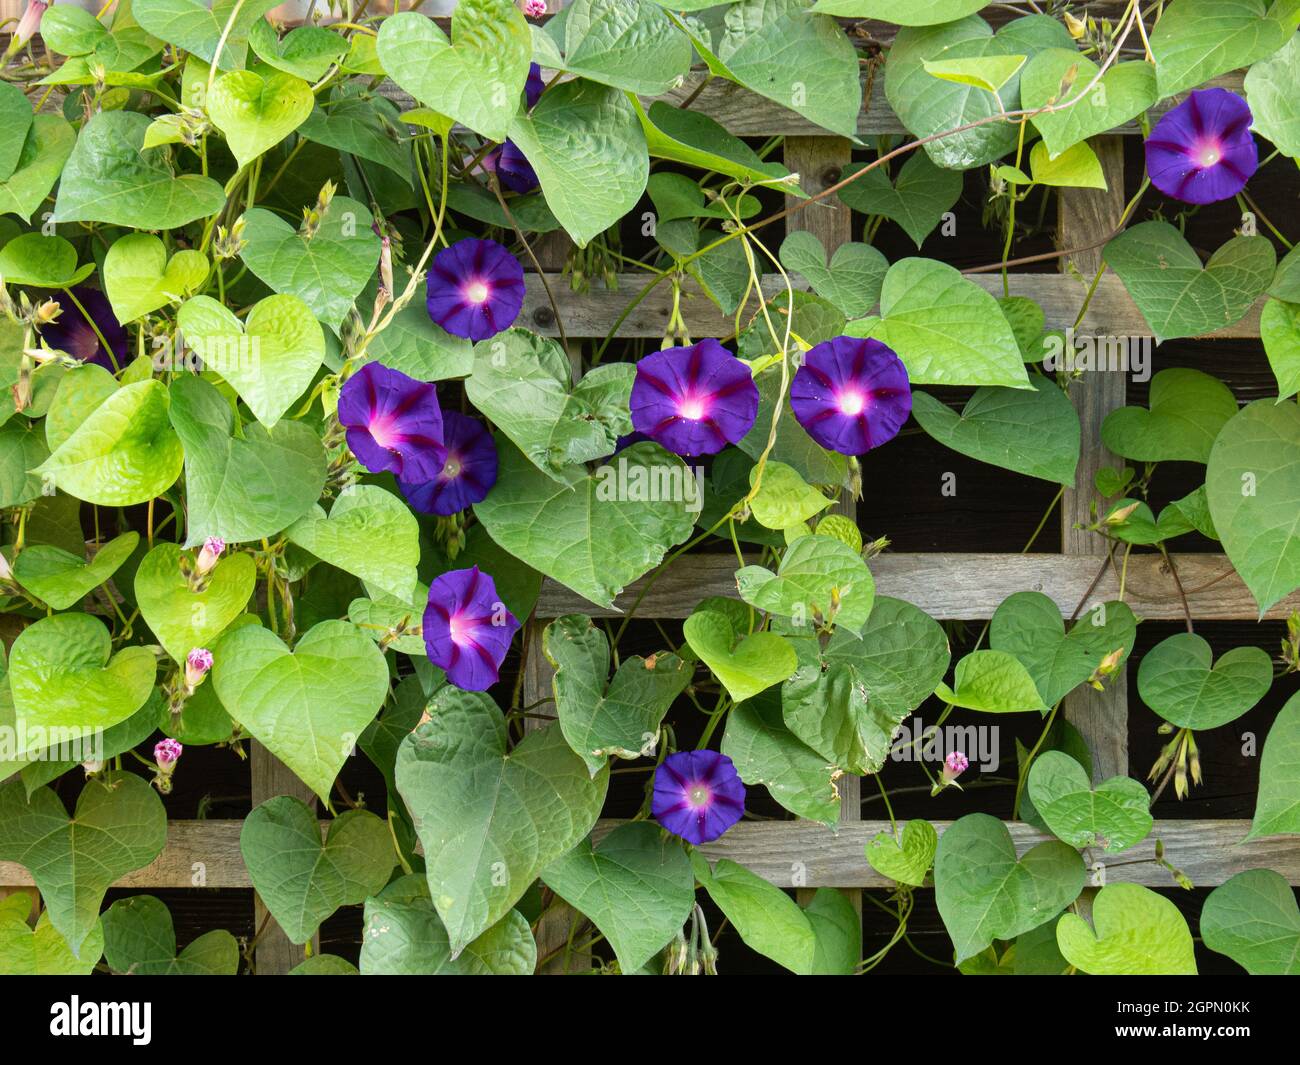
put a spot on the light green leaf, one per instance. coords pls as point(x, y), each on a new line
point(1273, 91)
point(626, 44)
point(41, 951)
point(21, 453)
point(197, 28)
point(784, 498)
point(326, 270)
point(139, 278)
point(1253, 919)
point(1252, 483)
point(1137, 933)
point(306, 51)
point(490, 821)
point(70, 30)
point(906, 860)
point(247, 487)
point(477, 77)
point(1177, 681)
point(119, 826)
point(140, 940)
point(256, 113)
point(636, 886)
point(1196, 40)
point(988, 72)
point(744, 662)
point(686, 136)
point(586, 144)
point(917, 199)
point(44, 153)
point(766, 752)
point(303, 881)
point(1077, 167)
point(62, 579)
point(1123, 93)
point(851, 281)
point(418, 347)
point(1176, 295)
point(324, 965)
point(15, 122)
point(110, 177)
point(1277, 807)
point(985, 893)
point(1113, 816)
point(367, 127)
point(588, 535)
point(182, 616)
point(1031, 431)
point(42, 262)
point(915, 13)
point(994, 682)
point(1188, 409)
point(307, 706)
point(1279, 328)
point(820, 578)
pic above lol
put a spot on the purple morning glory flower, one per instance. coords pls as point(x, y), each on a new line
point(698, 795)
point(394, 422)
point(695, 400)
point(468, 473)
point(511, 168)
point(476, 288)
point(851, 395)
point(1202, 151)
point(533, 86)
point(467, 629)
point(74, 334)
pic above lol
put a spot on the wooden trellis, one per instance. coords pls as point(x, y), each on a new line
point(946, 586)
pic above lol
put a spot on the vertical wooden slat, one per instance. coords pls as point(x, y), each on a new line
point(819, 162)
point(275, 955)
point(1085, 215)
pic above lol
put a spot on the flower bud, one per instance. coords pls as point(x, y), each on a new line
point(211, 551)
point(197, 664)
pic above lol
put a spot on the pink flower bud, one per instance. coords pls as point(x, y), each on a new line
point(954, 765)
point(30, 23)
point(213, 546)
point(166, 752)
point(197, 664)
point(534, 8)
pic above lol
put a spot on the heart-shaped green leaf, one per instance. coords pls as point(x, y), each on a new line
point(181, 617)
point(1277, 808)
point(16, 120)
point(269, 359)
point(1177, 681)
point(124, 453)
point(1253, 919)
point(686, 136)
point(1029, 626)
point(1122, 93)
point(46, 149)
point(370, 533)
point(985, 893)
point(994, 682)
point(1031, 431)
point(306, 51)
point(119, 826)
point(636, 886)
point(906, 860)
point(404, 937)
point(766, 752)
point(42, 262)
point(575, 129)
point(619, 718)
point(851, 280)
point(308, 706)
point(1252, 482)
point(1279, 329)
point(139, 939)
point(41, 951)
point(139, 278)
point(247, 487)
point(784, 498)
point(1273, 89)
point(1137, 933)
point(327, 268)
point(1113, 816)
point(79, 392)
point(917, 200)
point(819, 578)
point(847, 700)
point(1176, 294)
point(367, 127)
point(1188, 408)
point(596, 535)
point(63, 674)
point(197, 27)
point(945, 328)
point(823, 938)
point(62, 579)
point(744, 662)
point(631, 46)
point(522, 383)
point(256, 113)
point(477, 77)
point(490, 820)
point(21, 453)
point(1196, 40)
point(111, 177)
point(302, 880)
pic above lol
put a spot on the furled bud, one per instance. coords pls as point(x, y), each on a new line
point(534, 8)
point(954, 765)
point(27, 25)
point(197, 664)
point(1108, 667)
point(211, 551)
point(166, 753)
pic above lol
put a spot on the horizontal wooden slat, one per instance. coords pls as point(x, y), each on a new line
point(788, 853)
point(968, 587)
point(594, 313)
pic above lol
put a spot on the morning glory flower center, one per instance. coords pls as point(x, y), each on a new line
point(691, 408)
point(457, 628)
point(1208, 154)
point(385, 433)
point(698, 795)
point(851, 403)
point(452, 467)
point(477, 292)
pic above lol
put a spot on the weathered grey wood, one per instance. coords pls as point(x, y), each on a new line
point(1100, 716)
point(274, 955)
point(594, 313)
point(968, 587)
point(1210, 852)
point(820, 162)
